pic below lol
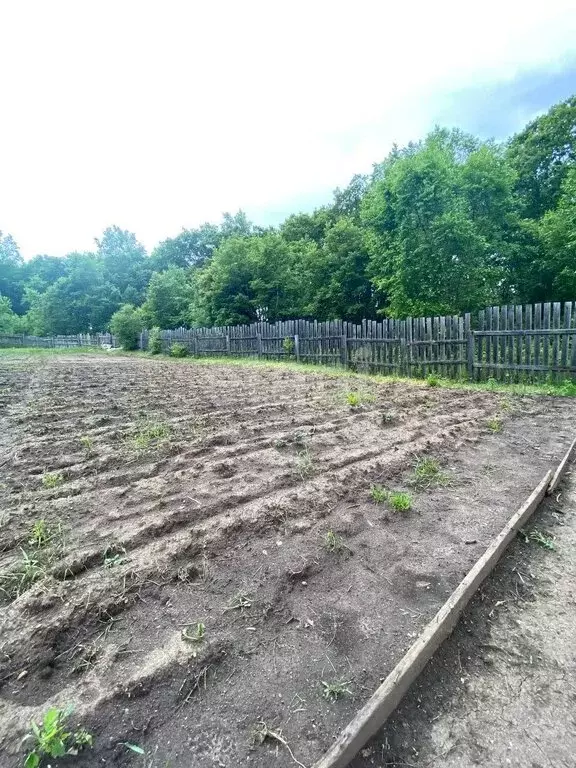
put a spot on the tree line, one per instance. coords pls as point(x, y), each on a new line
point(444, 225)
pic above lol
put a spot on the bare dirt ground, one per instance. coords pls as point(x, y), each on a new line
point(502, 690)
point(173, 494)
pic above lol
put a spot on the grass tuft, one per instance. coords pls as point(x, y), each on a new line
point(335, 690)
point(400, 501)
point(494, 424)
point(427, 473)
point(333, 542)
point(52, 479)
point(379, 494)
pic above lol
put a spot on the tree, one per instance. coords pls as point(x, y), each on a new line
point(79, 302)
point(124, 260)
point(557, 230)
point(438, 220)
point(126, 324)
point(542, 154)
point(191, 248)
point(10, 322)
point(335, 278)
point(168, 299)
point(247, 279)
point(11, 272)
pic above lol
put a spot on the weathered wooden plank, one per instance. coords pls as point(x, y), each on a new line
point(565, 339)
point(556, 312)
point(554, 483)
point(384, 701)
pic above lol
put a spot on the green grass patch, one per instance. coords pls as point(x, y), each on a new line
point(428, 473)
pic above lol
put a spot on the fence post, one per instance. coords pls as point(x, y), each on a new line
point(259, 344)
point(228, 344)
point(297, 347)
point(469, 346)
point(344, 350)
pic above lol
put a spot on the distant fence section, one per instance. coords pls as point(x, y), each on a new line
point(77, 340)
point(510, 343)
point(534, 342)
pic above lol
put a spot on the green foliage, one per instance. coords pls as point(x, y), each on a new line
point(494, 424)
point(431, 380)
point(155, 341)
point(333, 542)
point(378, 494)
point(51, 739)
point(427, 473)
point(150, 434)
point(178, 350)
point(288, 345)
point(168, 299)
point(400, 501)
point(126, 324)
point(445, 225)
point(332, 691)
point(52, 479)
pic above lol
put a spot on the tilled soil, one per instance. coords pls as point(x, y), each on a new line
point(500, 693)
point(173, 494)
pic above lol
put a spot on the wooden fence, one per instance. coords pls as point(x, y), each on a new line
point(510, 343)
point(77, 340)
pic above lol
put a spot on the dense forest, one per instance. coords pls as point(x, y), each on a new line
point(447, 224)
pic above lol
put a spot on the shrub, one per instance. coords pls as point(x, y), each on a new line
point(178, 350)
point(126, 325)
point(155, 341)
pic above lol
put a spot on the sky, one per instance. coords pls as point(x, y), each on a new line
point(160, 115)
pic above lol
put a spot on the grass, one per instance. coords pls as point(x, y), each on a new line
point(335, 690)
point(304, 463)
point(333, 542)
point(239, 602)
point(50, 739)
point(427, 473)
point(538, 537)
point(21, 576)
point(379, 494)
point(88, 444)
point(494, 424)
point(194, 633)
point(400, 501)
point(432, 381)
point(150, 434)
point(356, 399)
point(566, 388)
point(52, 479)
point(114, 555)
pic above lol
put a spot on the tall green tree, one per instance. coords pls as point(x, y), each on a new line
point(168, 299)
point(542, 154)
point(557, 230)
point(125, 262)
point(11, 272)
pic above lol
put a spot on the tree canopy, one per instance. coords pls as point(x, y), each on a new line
point(444, 225)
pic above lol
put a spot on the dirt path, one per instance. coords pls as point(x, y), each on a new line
point(502, 691)
point(169, 496)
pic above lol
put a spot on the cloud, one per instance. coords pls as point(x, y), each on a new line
point(158, 115)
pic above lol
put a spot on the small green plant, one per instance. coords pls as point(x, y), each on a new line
point(178, 350)
point(114, 555)
point(288, 346)
point(432, 381)
point(194, 633)
point(353, 399)
point(39, 534)
point(126, 324)
point(494, 424)
point(239, 602)
point(538, 537)
point(21, 576)
point(52, 479)
point(88, 444)
point(400, 501)
point(304, 464)
point(150, 434)
point(333, 691)
point(387, 417)
point(155, 341)
point(279, 444)
point(333, 542)
point(427, 473)
point(378, 494)
point(51, 739)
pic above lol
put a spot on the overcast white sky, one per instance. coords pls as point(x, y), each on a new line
point(159, 115)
